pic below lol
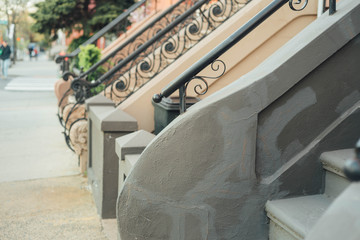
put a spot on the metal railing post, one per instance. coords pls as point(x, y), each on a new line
point(182, 99)
point(352, 166)
point(332, 7)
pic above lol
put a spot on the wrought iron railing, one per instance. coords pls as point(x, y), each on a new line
point(119, 24)
point(130, 44)
point(212, 61)
point(171, 42)
point(352, 166)
point(136, 40)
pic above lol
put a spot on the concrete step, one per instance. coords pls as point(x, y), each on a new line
point(333, 162)
point(129, 148)
point(293, 218)
point(126, 166)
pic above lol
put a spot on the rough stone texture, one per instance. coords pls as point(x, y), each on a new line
point(201, 169)
point(55, 208)
point(78, 138)
point(60, 88)
point(105, 125)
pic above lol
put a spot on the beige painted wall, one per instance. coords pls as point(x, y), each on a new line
point(240, 59)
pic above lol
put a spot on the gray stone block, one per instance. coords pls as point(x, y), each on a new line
point(133, 143)
point(106, 123)
point(98, 100)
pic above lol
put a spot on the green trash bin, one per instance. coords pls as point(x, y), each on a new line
point(167, 110)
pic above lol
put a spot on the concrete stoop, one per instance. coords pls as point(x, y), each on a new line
point(105, 124)
point(293, 218)
point(128, 149)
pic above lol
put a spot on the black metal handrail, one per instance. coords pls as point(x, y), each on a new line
point(122, 17)
point(173, 40)
point(352, 166)
point(135, 40)
point(150, 30)
point(143, 47)
point(152, 57)
point(130, 44)
point(181, 82)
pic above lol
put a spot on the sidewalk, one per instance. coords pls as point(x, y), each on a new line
point(42, 195)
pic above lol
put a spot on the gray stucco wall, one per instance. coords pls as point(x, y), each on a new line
point(303, 114)
point(199, 178)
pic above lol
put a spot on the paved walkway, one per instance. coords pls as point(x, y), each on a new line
point(42, 195)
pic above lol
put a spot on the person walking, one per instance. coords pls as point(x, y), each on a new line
point(1, 50)
point(5, 58)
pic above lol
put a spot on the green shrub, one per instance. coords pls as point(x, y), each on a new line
point(88, 56)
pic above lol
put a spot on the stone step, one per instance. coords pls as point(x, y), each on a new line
point(293, 218)
point(129, 148)
point(126, 166)
point(333, 162)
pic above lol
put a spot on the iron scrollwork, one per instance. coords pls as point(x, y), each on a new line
point(298, 5)
point(170, 46)
point(82, 90)
point(122, 84)
point(201, 87)
point(132, 65)
point(218, 66)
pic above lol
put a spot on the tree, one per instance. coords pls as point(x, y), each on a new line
point(87, 15)
point(14, 10)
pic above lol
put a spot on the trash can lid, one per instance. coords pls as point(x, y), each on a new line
point(172, 103)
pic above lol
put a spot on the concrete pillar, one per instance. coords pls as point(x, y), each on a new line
point(105, 124)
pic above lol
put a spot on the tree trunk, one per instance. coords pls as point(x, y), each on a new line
point(14, 45)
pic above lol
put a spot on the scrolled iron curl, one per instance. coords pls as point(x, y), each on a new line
point(171, 49)
point(119, 86)
point(199, 86)
point(303, 2)
point(217, 10)
point(169, 46)
point(147, 67)
point(122, 84)
point(81, 89)
point(67, 74)
point(193, 28)
point(196, 29)
point(120, 89)
point(216, 67)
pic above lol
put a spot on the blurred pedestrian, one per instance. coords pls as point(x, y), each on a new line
point(36, 53)
point(1, 50)
point(5, 58)
point(31, 51)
